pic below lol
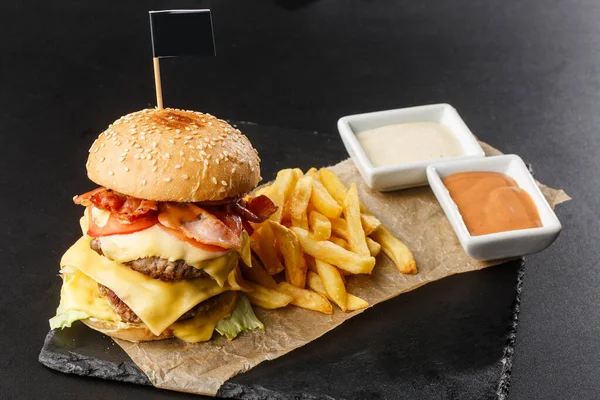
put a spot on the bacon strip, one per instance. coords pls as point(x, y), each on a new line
point(125, 208)
point(201, 225)
point(262, 206)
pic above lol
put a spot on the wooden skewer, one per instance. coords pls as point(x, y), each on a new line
point(159, 99)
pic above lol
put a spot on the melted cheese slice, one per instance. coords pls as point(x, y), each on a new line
point(158, 304)
point(201, 327)
point(80, 293)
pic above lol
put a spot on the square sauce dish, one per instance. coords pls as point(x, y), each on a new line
point(393, 148)
point(494, 206)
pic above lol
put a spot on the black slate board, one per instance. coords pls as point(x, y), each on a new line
point(451, 339)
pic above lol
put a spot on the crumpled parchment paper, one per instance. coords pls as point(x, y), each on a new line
point(413, 215)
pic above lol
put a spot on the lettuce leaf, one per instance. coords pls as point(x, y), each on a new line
point(241, 319)
point(66, 318)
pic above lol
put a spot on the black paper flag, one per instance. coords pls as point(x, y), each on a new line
point(182, 33)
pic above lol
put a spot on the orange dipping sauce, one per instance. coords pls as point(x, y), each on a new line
point(491, 202)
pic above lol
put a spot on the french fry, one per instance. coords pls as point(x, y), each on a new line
point(320, 225)
point(268, 298)
point(300, 198)
point(267, 254)
point(339, 227)
point(339, 241)
point(334, 254)
point(261, 190)
point(333, 282)
point(333, 184)
point(257, 274)
point(300, 223)
point(289, 246)
point(356, 235)
point(281, 191)
point(338, 191)
point(374, 247)
point(395, 250)
point(314, 282)
point(306, 298)
point(290, 180)
point(355, 303)
point(323, 202)
point(313, 173)
point(369, 222)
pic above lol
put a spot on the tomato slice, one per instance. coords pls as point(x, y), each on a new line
point(115, 227)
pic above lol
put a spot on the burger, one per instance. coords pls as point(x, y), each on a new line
point(165, 230)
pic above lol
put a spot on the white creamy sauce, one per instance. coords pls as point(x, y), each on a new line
point(407, 143)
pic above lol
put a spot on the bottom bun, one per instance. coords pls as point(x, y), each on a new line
point(125, 331)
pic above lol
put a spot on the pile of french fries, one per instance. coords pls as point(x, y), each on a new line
point(320, 235)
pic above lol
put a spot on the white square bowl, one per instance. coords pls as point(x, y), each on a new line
point(508, 244)
point(403, 175)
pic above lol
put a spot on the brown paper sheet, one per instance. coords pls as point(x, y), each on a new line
point(413, 215)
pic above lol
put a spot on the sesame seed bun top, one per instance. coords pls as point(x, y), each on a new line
point(174, 155)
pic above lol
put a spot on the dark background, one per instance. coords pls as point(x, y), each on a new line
point(523, 75)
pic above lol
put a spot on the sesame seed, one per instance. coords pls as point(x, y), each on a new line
point(154, 169)
point(101, 144)
point(147, 151)
point(177, 130)
point(126, 169)
point(187, 128)
point(122, 159)
point(214, 180)
point(203, 153)
point(217, 160)
point(185, 176)
point(123, 154)
point(167, 179)
point(111, 173)
point(101, 159)
point(96, 150)
point(171, 141)
point(136, 156)
point(178, 166)
point(205, 162)
point(210, 123)
point(153, 162)
point(154, 144)
point(223, 183)
point(188, 137)
point(167, 155)
point(143, 182)
point(181, 153)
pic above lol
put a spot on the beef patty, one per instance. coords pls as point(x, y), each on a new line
point(127, 314)
point(159, 268)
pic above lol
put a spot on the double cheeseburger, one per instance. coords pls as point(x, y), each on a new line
point(164, 231)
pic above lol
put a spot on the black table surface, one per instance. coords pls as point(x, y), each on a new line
point(523, 74)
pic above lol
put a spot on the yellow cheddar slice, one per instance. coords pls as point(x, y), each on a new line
point(158, 304)
point(80, 293)
point(201, 327)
